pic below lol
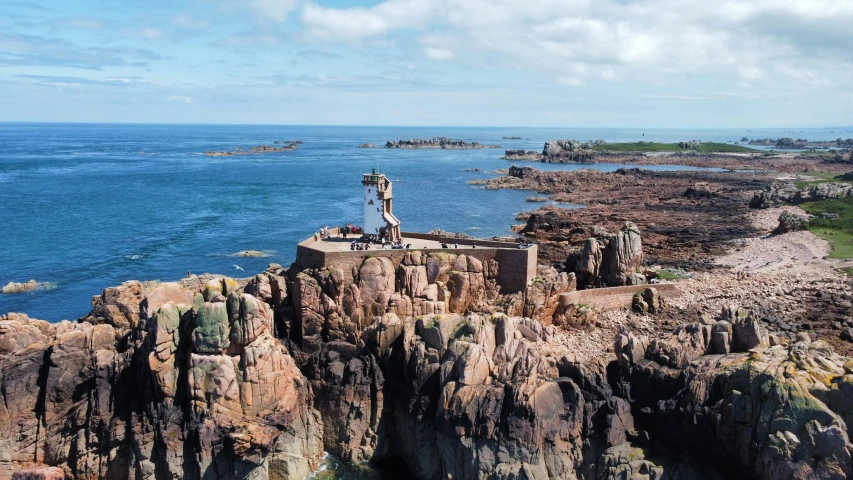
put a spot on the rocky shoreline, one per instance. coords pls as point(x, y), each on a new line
point(429, 364)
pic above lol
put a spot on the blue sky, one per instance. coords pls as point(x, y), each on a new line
point(586, 63)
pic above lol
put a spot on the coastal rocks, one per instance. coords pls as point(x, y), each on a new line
point(588, 263)
point(483, 397)
point(649, 301)
point(574, 316)
point(623, 257)
point(16, 287)
point(436, 142)
point(521, 154)
point(541, 299)
point(777, 194)
point(700, 190)
point(773, 412)
point(115, 400)
point(118, 306)
point(366, 145)
point(567, 151)
point(611, 259)
point(292, 145)
point(250, 253)
point(521, 172)
point(790, 222)
point(537, 199)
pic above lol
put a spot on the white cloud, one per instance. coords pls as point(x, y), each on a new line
point(150, 33)
point(583, 41)
point(179, 99)
point(266, 10)
point(277, 10)
point(438, 53)
point(358, 23)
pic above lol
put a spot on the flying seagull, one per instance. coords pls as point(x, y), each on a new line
point(238, 267)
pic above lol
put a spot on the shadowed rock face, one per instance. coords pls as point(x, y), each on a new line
point(198, 390)
point(199, 386)
point(612, 260)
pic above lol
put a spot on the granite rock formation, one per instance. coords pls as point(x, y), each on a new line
point(609, 259)
point(222, 379)
point(776, 194)
point(162, 383)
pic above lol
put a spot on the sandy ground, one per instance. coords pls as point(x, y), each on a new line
point(769, 252)
point(778, 265)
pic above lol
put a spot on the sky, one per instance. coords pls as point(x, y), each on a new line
point(556, 63)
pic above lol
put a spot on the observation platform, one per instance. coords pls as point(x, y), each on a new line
point(517, 265)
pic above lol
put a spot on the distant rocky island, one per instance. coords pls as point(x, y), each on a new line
point(437, 142)
point(366, 145)
point(291, 145)
point(787, 143)
point(574, 151)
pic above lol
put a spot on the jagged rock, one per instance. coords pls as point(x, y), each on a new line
point(789, 222)
point(572, 315)
point(118, 306)
point(653, 300)
point(623, 257)
point(773, 412)
point(567, 151)
point(588, 263)
point(776, 194)
point(541, 300)
point(80, 396)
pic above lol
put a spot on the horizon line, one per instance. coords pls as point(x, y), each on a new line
point(790, 128)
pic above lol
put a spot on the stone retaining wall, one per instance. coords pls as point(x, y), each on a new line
point(612, 298)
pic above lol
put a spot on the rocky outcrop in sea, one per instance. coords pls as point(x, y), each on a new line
point(290, 146)
point(437, 142)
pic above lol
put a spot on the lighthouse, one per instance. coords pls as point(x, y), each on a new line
point(378, 217)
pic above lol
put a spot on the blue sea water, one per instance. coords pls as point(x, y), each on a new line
point(87, 206)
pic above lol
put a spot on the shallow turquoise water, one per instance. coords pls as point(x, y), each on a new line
point(88, 206)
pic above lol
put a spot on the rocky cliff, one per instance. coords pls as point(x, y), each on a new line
point(218, 379)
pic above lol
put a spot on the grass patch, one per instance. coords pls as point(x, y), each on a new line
point(819, 177)
point(704, 147)
point(837, 231)
point(847, 271)
point(672, 274)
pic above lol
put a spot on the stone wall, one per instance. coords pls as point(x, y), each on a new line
point(611, 298)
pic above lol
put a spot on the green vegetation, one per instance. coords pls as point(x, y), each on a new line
point(701, 147)
point(819, 177)
point(838, 231)
point(846, 270)
point(672, 274)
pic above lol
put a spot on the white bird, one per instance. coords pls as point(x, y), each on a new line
point(238, 267)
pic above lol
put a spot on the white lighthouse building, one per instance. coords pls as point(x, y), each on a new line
point(378, 217)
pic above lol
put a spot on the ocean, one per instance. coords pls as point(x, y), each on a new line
point(87, 206)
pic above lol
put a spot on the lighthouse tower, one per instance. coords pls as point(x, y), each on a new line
point(378, 219)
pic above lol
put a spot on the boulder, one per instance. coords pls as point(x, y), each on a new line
point(790, 222)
